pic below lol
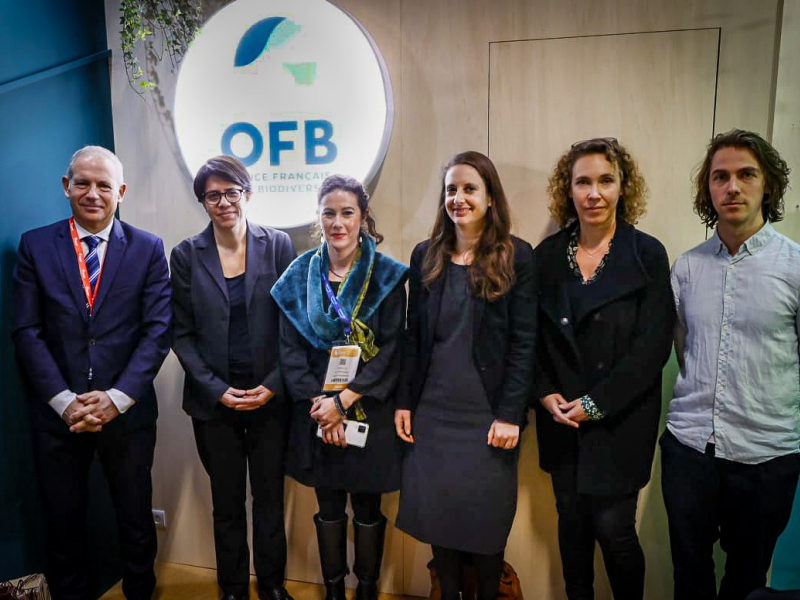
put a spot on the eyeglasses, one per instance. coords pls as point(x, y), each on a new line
point(232, 195)
point(608, 141)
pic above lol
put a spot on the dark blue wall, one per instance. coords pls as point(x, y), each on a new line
point(54, 98)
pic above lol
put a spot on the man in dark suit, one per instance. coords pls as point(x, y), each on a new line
point(91, 329)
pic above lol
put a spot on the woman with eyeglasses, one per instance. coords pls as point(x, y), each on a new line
point(606, 318)
point(225, 334)
point(344, 296)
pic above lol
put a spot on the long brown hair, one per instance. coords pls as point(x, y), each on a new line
point(491, 273)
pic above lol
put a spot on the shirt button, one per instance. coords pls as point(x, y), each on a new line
point(600, 366)
point(730, 267)
point(721, 388)
point(92, 342)
point(597, 316)
point(725, 327)
point(728, 297)
point(564, 321)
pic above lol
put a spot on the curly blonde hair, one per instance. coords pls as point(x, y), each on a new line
point(633, 199)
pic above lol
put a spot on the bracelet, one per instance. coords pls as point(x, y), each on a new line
point(337, 402)
point(590, 408)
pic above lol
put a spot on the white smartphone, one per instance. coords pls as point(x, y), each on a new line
point(355, 433)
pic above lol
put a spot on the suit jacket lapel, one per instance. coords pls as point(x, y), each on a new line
point(209, 257)
point(434, 304)
point(72, 275)
point(255, 265)
point(117, 245)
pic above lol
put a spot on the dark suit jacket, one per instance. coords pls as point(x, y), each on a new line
point(201, 312)
point(503, 337)
point(124, 341)
point(614, 351)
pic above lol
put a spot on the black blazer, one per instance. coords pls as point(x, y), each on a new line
point(201, 312)
point(614, 351)
point(503, 337)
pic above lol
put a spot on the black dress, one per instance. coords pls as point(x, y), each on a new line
point(457, 492)
point(376, 467)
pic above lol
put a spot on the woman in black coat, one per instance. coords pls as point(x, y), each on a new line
point(606, 317)
point(467, 368)
point(369, 289)
point(225, 327)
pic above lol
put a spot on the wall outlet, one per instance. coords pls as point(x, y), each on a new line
point(160, 519)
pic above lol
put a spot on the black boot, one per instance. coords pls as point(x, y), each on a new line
point(332, 541)
point(369, 552)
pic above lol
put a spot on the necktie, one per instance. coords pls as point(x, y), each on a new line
point(92, 260)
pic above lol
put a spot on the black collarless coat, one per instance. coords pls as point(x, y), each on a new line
point(614, 351)
point(503, 337)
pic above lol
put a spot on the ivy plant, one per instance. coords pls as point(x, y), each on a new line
point(176, 22)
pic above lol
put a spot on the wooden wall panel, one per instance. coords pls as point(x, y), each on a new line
point(438, 55)
point(657, 105)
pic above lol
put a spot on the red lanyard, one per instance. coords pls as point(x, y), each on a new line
point(87, 286)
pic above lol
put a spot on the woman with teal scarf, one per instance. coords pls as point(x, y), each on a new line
point(344, 291)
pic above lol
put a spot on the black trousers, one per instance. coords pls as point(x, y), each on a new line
point(611, 521)
point(62, 464)
point(332, 505)
point(227, 447)
point(745, 507)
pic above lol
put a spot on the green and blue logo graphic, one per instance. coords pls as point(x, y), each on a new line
point(295, 89)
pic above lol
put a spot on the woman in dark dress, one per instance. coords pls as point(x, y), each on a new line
point(606, 317)
point(467, 368)
point(369, 289)
point(225, 327)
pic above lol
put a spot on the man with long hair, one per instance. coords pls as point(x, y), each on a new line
point(730, 459)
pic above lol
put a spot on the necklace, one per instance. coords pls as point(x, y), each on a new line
point(335, 273)
point(593, 254)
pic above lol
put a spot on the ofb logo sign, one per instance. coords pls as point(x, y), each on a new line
point(296, 89)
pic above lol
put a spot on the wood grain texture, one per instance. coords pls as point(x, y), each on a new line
point(438, 53)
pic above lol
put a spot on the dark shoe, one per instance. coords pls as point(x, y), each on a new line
point(233, 597)
point(273, 593)
point(332, 540)
point(369, 553)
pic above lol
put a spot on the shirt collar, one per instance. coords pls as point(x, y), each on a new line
point(752, 244)
point(103, 234)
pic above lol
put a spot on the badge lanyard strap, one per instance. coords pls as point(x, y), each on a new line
point(345, 320)
point(361, 414)
point(338, 308)
point(87, 285)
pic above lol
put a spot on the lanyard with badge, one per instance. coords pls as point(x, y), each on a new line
point(342, 367)
point(91, 295)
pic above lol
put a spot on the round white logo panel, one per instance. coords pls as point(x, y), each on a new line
point(295, 89)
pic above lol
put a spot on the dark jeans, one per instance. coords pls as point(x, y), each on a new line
point(332, 505)
point(449, 564)
point(745, 507)
point(63, 463)
point(611, 521)
point(227, 447)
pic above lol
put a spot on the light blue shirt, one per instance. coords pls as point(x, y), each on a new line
point(738, 323)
